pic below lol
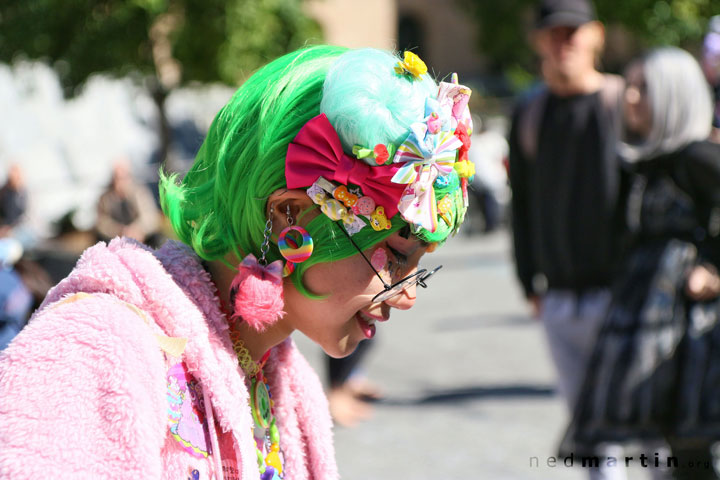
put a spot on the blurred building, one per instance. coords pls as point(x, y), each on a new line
point(438, 30)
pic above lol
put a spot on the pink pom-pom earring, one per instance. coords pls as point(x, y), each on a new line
point(256, 292)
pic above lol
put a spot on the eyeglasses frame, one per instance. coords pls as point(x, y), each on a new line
point(423, 274)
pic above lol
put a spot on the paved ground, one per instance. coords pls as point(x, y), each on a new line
point(468, 385)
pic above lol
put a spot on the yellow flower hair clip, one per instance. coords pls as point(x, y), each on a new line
point(411, 65)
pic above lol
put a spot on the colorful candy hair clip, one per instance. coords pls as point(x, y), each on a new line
point(338, 203)
point(411, 66)
point(380, 155)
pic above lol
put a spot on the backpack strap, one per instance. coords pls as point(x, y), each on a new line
point(529, 122)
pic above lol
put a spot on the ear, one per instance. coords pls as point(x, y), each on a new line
point(599, 34)
point(537, 39)
point(286, 204)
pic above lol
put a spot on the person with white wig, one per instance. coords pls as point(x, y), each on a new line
point(655, 369)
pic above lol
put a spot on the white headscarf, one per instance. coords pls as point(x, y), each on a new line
point(681, 106)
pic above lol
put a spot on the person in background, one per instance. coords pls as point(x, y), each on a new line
point(350, 392)
point(15, 298)
point(126, 208)
point(711, 69)
point(13, 200)
point(654, 372)
point(565, 179)
point(490, 184)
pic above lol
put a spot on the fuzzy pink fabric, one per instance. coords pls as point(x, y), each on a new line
point(83, 386)
point(259, 294)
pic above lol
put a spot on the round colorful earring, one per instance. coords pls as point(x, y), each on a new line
point(289, 247)
point(295, 244)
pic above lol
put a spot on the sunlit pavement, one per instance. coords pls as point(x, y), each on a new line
point(467, 380)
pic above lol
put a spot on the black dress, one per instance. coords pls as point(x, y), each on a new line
point(655, 369)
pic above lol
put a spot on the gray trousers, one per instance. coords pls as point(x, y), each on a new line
point(571, 324)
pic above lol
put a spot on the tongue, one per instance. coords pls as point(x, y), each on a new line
point(367, 329)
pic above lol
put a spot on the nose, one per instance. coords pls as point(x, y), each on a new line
point(632, 95)
point(403, 300)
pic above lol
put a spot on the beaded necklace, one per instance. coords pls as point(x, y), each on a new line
point(266, 434)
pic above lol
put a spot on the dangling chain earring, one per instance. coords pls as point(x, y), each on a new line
point(256, 292)
point(266, 237)
point(293, 251)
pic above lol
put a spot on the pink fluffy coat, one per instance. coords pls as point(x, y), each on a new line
point(83, 388)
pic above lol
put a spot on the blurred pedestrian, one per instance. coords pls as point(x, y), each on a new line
point(655, 369)
point(15, 298)
point(489, 154)
point(350, 392)
point(15, 304)
point(126, 208)
point(711, 69)
point(565, 180)
point(13, 200)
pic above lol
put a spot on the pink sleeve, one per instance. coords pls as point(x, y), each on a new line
point(82, 394)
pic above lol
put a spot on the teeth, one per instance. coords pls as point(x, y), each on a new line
point(370, 321)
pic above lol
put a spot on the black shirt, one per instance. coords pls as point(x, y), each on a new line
point(566, 199)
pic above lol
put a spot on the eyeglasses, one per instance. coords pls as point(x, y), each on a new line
point(389, 291)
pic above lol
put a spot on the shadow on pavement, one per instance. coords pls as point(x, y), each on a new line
point(487, 320)
point(473, 393)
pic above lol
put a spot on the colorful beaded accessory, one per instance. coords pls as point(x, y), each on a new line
point(266, 433)
point(377, 182)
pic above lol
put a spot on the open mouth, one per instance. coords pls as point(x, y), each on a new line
point(367, 324)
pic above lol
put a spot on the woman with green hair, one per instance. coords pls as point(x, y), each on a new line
point(319, 187)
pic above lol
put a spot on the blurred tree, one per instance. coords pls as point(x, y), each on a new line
point(503, 26)
point(168, 42)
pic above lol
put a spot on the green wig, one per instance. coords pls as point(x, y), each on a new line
point(219, 206)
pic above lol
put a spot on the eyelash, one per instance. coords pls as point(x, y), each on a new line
point(401, 258)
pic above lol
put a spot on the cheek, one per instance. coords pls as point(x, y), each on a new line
point(379, 259)
point(342, 281)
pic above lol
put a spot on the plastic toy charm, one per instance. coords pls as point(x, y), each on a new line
point(434, 123)
point(272, 459)
point(333, 209)
point(381, 153)
point(444, 207)
point(364, 206)
point(348, 199)
point(379, 221)
point(260, 403)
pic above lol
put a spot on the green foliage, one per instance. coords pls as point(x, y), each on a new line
point(504, 25)
point(261, 31)
point(80, 37)
point(210, 39)
point(661, 22)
